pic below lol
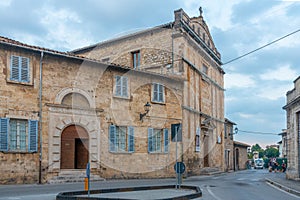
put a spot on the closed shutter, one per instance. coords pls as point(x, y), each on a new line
point(14, 68)
point(150, 142)
point(33, 136)
point(24, 69)
point(3, 134)
point(166, 140)
point(130, 139)
point(124, 86)
point(112, 138)
point(118, 85)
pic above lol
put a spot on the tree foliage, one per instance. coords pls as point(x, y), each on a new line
point(271, 152)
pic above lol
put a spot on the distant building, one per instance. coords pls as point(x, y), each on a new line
point(240, 155)
point(293, 131)
point(228, 144)
point(283, 145)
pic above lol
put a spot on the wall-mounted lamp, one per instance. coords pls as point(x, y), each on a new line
point(146, 108)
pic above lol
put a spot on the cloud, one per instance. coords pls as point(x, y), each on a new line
point(5, 3)
point(238, 81)
point(274, 91)
point(281, 73)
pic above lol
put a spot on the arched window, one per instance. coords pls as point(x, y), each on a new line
point(75, 100)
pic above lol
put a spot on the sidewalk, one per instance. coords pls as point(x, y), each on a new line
point(279, 180)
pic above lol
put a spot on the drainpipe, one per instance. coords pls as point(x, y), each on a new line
point(40, 118)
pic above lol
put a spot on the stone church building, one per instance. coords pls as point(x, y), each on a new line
point(131, 106)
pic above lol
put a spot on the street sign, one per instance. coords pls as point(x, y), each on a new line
point(88, 170)
point(179, 167)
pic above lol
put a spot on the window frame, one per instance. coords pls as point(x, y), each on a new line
point(21, 72)
point(6, 136)
point(118, 143)
point(136, 59)
point(158, 147)
point(157, 90)
point(121, 88)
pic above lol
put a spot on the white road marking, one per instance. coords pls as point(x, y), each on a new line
point(212, 194)
point(283, 190)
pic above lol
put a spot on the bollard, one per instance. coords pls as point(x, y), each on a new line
point(86, 184)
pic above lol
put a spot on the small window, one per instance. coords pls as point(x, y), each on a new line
point(176, 133)
point(158, 140)
point(121, 139)
point(19, 69)
point(136, 59)
point(18, 135)
point(121, 86)
point(197, 138)
point(204, 69)
point(158, 94)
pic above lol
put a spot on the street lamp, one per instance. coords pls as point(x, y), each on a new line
point(146, 108)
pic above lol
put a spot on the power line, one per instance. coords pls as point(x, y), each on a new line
point(246, 54)
point(256, 132)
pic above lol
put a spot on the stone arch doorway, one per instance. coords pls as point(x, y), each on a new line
point(237, 155)
point(74, 148)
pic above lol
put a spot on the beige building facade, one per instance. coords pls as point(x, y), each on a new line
point(293, 131)
point(130, 106)
point(184, 48)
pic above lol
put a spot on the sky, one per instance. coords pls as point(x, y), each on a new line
point(256, 85)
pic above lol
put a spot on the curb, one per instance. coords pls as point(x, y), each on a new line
point(287, 189)
point(81, 195)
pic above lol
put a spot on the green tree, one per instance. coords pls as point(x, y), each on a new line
point(257, 148)
point(271, 152)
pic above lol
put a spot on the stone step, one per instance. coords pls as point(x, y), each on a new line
point(69, 176)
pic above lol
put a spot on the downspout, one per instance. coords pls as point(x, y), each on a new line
point(40, 117)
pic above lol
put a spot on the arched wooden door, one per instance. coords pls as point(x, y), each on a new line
point(74, 148)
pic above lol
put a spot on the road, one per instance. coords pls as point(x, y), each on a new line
point(246, 185)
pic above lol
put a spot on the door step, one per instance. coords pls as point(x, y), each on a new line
point(71, 176)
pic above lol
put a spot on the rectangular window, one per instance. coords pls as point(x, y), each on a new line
point(158, 94)
point(19, 69)
point(17, 135)
point(121, 139)
point(121, 86)
point(136, 59)
point(176, 131)
point(158, 140)
point(204, 69)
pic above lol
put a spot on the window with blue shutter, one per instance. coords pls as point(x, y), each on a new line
point(112, 138)
point(158, 93)
point(150, 142)
point(121, 86)
point(33, 136)
point(121, 139)
point(158, 140)
point(166, 140)
point(19, 69)
point(130, 139)
point(4, 134)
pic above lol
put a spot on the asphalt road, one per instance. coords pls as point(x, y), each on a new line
point(245, 185)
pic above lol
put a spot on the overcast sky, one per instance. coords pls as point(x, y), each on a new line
point(256, 85)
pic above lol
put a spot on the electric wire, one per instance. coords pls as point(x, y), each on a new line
point(264, 46)
point(257, 132)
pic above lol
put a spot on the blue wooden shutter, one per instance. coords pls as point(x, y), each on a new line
point(112, 138)
point(3, 134)
point(130, 139)
point(33, 136)
point(166, 140)
point(14, 68)
point(24, 69)
point(160, 93)
point(124, 86)
point(118, 83)
point(150, 143)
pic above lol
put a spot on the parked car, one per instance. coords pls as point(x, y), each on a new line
point(258, 163)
